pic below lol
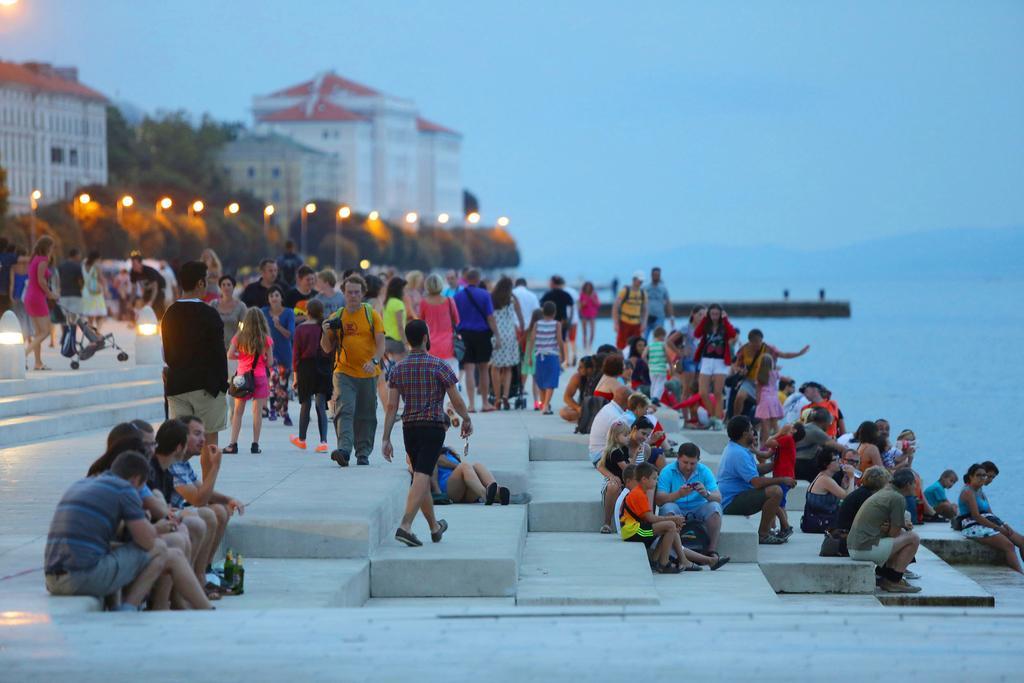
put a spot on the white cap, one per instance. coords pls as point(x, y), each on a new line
point(638, 275)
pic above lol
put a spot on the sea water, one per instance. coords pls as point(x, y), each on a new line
point(942, 357)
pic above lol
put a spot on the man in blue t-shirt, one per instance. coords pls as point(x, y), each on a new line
point(479, 333)
point(79, 559)
point(689, 488)
point(745, 491)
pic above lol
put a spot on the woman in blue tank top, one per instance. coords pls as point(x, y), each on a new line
point(977, 522)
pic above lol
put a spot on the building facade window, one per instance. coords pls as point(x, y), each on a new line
point(56, 155)
point(251, 172)
point(275, 172)
point(73, 157)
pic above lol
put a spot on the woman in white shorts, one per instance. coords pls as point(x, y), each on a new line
point(715, 334)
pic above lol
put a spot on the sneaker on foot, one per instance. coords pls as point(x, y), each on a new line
point(442, 526)
point(287, 420)
point(785, 533)
point(255, 448)
point(297, 442)
point(340, 458)
point(912, 576)
point(408, 538)
point(491, 494)
point(504, 495)
point(893, 587)
point(322, 448)
point(771, 539)
point(362, 460)
point(272, 417)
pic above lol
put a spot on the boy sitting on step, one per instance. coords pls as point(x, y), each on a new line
point(639, 524)
point(628, 484)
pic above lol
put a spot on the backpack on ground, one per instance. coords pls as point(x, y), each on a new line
point(694, 536)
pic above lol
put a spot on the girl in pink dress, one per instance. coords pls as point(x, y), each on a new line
point(251, 348)
point(37, 297)
point(589, 305)
point(769, 410)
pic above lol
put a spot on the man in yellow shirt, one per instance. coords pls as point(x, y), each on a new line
point(357, 333)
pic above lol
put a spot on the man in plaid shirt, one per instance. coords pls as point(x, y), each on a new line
point(422, 381)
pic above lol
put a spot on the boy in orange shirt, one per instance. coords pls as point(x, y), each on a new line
point(641, 525)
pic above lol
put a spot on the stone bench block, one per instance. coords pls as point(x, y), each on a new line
point(478, 557)
point(299, 538)
point(559, 447)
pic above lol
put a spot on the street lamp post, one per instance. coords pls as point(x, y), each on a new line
point(343, 212)
point(306, 210)
point(34, 202)
point(268, 211)
point(123, 203)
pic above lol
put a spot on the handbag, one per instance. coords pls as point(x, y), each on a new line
point(458, 344)
point(244, 386)
point(834, 544)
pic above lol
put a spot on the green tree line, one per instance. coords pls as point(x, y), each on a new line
point(171, 156)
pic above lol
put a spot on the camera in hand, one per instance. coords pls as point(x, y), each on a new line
point(334, 323)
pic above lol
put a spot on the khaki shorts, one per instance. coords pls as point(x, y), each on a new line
point(114, 571)
point(212, 410)
point(879, 554)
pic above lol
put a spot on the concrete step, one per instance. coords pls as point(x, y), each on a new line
point(60, 400)
point(56, 380)
point(296, 584)
point(735, 585)
point(322, 512)
point(559, 447)
point(23, 597)
point(710, 442)
point(479, 556)
point(567, 569)
point(28, 428)
point(795, 567)
point(941, 586)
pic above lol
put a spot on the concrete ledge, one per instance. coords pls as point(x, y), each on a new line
point(299, 538)
point(566, 496)
point(56, 380)
point(566, 569)
point(941, 586)
point(953, 548)
point(479, 556)
point(62, 400)
point(290, 584)
point(738, 539)
point(559, 447)
point(710, 442)
point(795, 567)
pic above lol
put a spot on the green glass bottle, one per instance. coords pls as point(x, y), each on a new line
point(240, 576)
point(229, 569)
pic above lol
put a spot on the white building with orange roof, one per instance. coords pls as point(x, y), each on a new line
point(53, 132)
point(389, 158)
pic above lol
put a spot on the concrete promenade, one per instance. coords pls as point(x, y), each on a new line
point(525, 591)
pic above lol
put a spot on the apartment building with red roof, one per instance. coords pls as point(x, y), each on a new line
point(53, 132)
point(388, 157)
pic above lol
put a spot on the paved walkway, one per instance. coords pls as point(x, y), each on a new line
point(290, 624)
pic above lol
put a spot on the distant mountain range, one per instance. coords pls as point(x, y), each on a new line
point(995, 252)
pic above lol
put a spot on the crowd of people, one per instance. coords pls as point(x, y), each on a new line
point(340, 345)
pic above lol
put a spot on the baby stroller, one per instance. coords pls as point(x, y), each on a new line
point(517, 389)
point(91, 340)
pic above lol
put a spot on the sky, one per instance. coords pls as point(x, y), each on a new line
point(599, 125)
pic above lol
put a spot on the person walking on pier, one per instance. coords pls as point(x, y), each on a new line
point(659, 304)
point(422, 381)
point(629, 312)
point(357, 332)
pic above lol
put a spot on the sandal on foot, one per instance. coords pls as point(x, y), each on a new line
point(770, 539)
point(668, 569)
point(231, 449)
point(694, 568)
point(720, 562)
point(606, 529)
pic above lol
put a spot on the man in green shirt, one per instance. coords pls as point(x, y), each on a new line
point(881, 534)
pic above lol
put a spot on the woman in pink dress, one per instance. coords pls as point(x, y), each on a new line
point(769, 409)
point(589, 305)
point(37, 297)
point(441, 316)
point(252, 347)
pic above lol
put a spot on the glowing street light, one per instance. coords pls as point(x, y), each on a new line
point(306, 210)
point(473, 218)
point(443, 219)
point(411, 217)
point(196, 207)
point(232, 208)
point(34, 203)
point(364, 264)
point(373, 215)
point(343, 212)
point(503, 222)
point(164, 204)
point(84, 198)
point(123, 203)
point(268, 211)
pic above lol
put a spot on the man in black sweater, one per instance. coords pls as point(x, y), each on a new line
point(197, 367)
